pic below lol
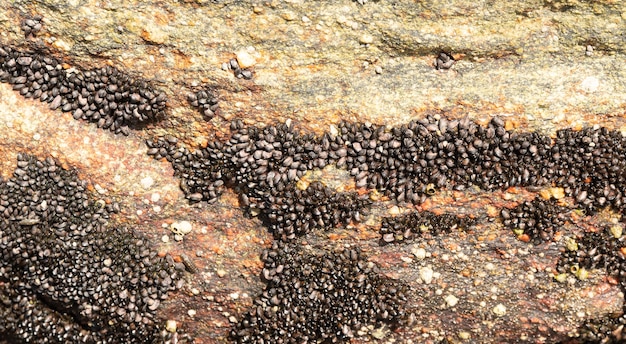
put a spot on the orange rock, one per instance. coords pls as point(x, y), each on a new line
point(492, 211)
point(545, 194)
point(334, 236)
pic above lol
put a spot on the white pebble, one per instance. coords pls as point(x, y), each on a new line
point(191, 312)
point(181, 227)
point(170, 326)
point(165, 238)
point(147, 182)
point(333, 130)
point(366, 39)
point(590, 84)
point(499, 310)
point(418, 252)
point(155, 197)
point(244, 59)
point(426, 274)
point(451, 300)
point(99, 189)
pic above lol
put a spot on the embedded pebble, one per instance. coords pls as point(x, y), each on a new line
point(418, 252)
point(366, 39)
point(244, 59)
point(147, 182)
point(451, 300)
point(499, 310)
point(170, 326)
point(181, 227)
point(426, 274)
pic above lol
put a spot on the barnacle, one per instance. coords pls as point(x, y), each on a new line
point(106, 96)
point(65, 272)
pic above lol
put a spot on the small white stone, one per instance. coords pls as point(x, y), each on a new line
point(191, 312)
point(170, 326)
point(244, 59)
point(36, 137)
point(156, 209)
point(394, 210)
point(590, 84)
point(147, 182)
point(451, 300)
point(232, 319)
point(366, 39)
point(181, 227)
point(418, 252)
point(165, 238)
point(378, 70)
point(426, 274)
point(333, 130)
point(465, 335)
point(499, 310)
point(195, 291)
point(178, 237)
point(234, 296)
point(99, 189)
point(107, 262)
point(155, 197)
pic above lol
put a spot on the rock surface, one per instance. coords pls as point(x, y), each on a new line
point(540, 65)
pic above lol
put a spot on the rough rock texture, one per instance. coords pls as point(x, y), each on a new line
point(539, 65)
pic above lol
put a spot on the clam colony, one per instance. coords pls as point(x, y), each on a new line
point(105, 96)
point(413, 225)
point(323, 296)
point(66, 275)
point(408, 164)
point(205, 101)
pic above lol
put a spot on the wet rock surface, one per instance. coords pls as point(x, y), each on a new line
point(539, 66)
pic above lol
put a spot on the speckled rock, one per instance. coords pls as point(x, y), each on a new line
point(540, 65)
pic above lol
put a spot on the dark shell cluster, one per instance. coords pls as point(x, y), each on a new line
point(205, 101)
point(240, 73)
point(408, 164)
point(600, 250)
point(106, 96)
point(65, 275)
point(414, 225)
point(318, 297)
point(263, 165)
point(539, 219)
point(315, 297)
point(31, 26)
point(411, 162)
